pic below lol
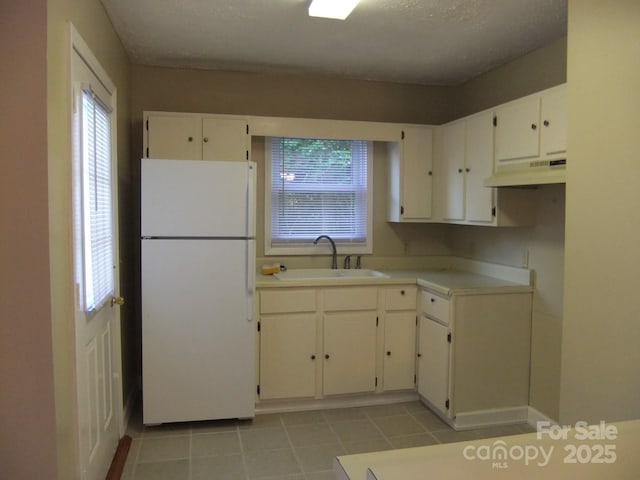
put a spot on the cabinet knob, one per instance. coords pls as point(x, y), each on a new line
point(533, 126)
point(467, 170)
point(419, 355)
point(459, 170)
point(546, 123)
point(190, 139)
point(326, 356)
point(401, 292)
point(206, 139)
point(432, 300)
point(388, 354)
point(313, 357)
point(430, 173)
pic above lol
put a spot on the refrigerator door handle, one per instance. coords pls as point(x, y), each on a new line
point(251, 277)
point(251, 200)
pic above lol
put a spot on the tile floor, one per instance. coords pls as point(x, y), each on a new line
point(287, 446)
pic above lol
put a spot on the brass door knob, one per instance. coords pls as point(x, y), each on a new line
point(117, 301)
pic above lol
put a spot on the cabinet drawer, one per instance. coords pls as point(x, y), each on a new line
point(400, 298)
point(435, 306)
point(287, 300)
point(341, 299)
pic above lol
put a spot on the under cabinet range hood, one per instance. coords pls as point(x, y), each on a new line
point(534, 173)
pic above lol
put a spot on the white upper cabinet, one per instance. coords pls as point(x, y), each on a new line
point(173, 136)
point(451, 173)
point(224, 139)
point(553, 137)
point(188, 136)
point(479, 200)
point(464, 159)
point(516, 135)
point(411, 175)
point(531, 128)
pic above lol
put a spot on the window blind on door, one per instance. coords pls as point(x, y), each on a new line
point(96, 201)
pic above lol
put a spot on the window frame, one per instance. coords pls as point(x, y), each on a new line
point(343, 248)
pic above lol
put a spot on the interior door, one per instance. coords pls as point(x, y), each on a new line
point(97, 316)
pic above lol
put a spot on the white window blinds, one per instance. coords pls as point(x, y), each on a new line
point(97, 220)
point(318, 186)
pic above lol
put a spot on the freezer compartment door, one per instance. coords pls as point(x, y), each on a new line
point(192, 198)
point(197, 345)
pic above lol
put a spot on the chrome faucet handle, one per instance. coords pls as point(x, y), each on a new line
point(347, 262)
point(358, 262)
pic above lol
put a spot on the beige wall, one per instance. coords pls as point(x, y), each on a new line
point(27, 421)
point(92, 23)
point(601, 331)
point(541, 247)
point(302, 96)
point(324, 97)
point(539, 69)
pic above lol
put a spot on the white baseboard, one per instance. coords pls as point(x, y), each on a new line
point(490, 418)
point(301, 405)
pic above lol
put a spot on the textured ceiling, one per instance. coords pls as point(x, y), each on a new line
point(436, 42)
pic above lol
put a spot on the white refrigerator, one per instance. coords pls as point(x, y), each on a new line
point(197, 283)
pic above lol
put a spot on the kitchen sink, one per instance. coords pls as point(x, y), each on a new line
point(327, 274)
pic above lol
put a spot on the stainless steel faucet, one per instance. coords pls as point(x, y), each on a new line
point(334, 261)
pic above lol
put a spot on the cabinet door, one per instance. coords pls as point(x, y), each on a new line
point(433, 363)
point(553, 139)
point(399, 350)
point(174, 137)
point(517, 130)
point(479, 199)
point(287, 356)
point(452, 171)
point(349, 352)
point(417, 170)
point(224, 139)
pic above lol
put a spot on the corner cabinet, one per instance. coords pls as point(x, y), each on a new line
point(410, 175)
point(188, 136)
point(474, 353)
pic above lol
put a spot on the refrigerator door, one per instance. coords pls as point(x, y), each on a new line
point(197, 345)
point(193, 198)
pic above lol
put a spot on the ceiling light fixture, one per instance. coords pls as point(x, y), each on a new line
point(338, 9)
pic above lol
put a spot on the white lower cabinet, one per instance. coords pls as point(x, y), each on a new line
point(317, 341)
point(399, 350)
point(433, 363)
point(288, 356)
point(399, 347)
point(349, 353)
point(474, 352)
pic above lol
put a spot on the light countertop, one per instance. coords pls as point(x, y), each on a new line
point(595, 458)
point(443, 281)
